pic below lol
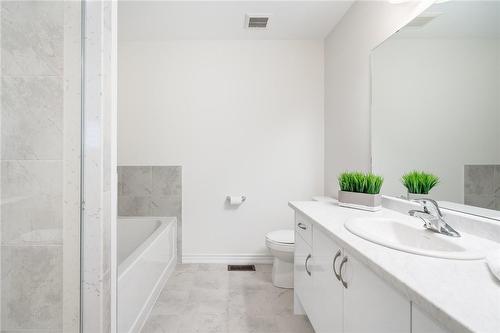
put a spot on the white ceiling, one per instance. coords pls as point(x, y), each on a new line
point(167, 20)
point(459, 19)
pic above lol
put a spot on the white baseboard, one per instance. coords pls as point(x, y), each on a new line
point(234, 259)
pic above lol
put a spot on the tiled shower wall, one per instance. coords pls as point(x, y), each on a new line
point(40, 166)
point(482, 186)
point(151, 191)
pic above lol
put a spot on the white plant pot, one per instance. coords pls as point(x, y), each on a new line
point(413, 196)
point(364, 201)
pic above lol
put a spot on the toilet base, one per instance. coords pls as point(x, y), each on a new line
point(282, 274)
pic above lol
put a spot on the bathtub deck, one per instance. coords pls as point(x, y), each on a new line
point(209, 299)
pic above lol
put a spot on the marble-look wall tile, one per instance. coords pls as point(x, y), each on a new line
point(478, 179)
point(151, 191)
point(482, 185)
point(135, 181)
point(134, 206)
point(31, 202)
point(169, 205)
point(32, 331)
point(167, 181)
point(32, 37)
point(32, 116)
point(41, 113)
point(31, 287)
point(146, 191)
point(479, 201)
point(496, 181)
point(71, 169)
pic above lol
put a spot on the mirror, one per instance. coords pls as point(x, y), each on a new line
point(436, 105)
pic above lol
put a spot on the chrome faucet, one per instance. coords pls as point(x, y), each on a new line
point(433, 218)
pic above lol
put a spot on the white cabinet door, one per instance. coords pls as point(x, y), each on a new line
point(370, 305)
point(328, 292)
point(422, 323)
point(303, 284)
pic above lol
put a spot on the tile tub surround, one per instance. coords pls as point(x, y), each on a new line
point(151, 191)
point(40, 165)
point(207, 298)
point(482, 186)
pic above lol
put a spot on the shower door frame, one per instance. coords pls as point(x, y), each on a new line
point(99, 172)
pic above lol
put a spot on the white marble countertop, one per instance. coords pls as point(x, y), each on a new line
point(463, 296)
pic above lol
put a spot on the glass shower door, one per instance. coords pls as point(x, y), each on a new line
point(40, 144)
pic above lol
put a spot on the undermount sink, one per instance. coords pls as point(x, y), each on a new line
point(408, 235)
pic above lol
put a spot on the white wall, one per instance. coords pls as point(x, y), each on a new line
point(347, 82)
point(436, 108)
point(240, 117)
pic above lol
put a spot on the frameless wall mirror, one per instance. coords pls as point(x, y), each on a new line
point(436, 105)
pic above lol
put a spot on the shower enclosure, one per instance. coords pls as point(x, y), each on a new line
point(40, 174)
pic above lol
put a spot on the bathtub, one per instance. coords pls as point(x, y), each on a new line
point(146, 257)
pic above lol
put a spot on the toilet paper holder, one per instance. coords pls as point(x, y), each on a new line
point(243, 198)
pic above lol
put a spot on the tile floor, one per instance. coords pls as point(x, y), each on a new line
point(209, 299)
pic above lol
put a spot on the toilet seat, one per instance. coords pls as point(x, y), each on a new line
point(281, 237)
point(281, 240)
point(280, 246)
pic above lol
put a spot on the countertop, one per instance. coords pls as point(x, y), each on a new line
point(461, 295)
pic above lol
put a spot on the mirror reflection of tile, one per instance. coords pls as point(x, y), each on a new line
point(151, 191)
point(482, 186)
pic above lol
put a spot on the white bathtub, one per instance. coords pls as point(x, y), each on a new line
point(146, 257)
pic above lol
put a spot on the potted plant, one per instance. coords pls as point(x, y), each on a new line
point(419, 183)
point(360, 190)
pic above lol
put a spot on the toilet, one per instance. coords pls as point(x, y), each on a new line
point(281, 245)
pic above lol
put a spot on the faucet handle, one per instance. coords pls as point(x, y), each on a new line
point(430, 203)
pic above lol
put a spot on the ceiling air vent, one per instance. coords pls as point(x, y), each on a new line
point(422, 20)
point(257, 21)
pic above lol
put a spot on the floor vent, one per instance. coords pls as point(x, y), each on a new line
point(245, 268)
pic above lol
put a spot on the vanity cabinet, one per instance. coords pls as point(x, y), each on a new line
point(303, 284)
point(370, 304)
point(421, 323)
point(328, 291)
point(340, 294)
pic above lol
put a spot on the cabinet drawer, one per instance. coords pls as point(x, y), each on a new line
point(303, 227)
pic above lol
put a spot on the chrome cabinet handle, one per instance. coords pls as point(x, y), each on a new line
point(340, 269)
point(302, 226)
point(337, 255)
point(305, 264)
